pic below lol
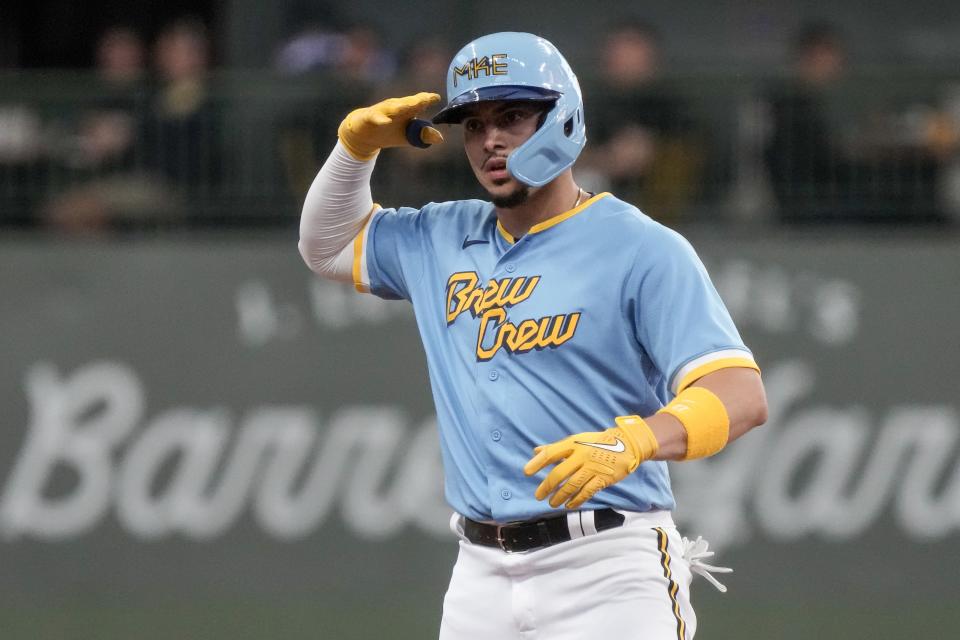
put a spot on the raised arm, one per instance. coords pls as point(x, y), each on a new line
point(339, 201)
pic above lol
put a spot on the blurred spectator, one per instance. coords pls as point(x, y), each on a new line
point(423, 67)
point(314, 38)
point(356, 53)
point(346, 66)
point(366, 56)
point(871, 168)
point(182, 135)
point(21, 128)
point(121, 55)
point(644, 139)
point(100, 149)
point(809, 173)
point(153, 152)
point(106, 133)
point(316, 44)
point(22, 160)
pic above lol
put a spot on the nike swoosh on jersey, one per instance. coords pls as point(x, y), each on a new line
point(467, 242)
point(615, 448)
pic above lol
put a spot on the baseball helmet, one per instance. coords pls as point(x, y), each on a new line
point(522, 66)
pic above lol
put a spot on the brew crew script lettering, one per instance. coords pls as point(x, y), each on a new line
point(497, 331)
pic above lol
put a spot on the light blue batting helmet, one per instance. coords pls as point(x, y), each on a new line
point(522, 66)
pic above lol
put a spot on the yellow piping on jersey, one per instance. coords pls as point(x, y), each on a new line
point(716, 365)
point(555, 220)
point(358, 251)
point(506, 234)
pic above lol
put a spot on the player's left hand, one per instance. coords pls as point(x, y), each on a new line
point(592, 461)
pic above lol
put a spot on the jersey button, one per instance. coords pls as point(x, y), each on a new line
point(493, 375)
point(511, 267)
point(496, 435)
point(505, 494)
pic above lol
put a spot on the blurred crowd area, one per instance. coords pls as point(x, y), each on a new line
point(157, 136)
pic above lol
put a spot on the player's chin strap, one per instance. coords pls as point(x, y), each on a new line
point(694, 552)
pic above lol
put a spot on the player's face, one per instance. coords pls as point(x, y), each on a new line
point(491, 131)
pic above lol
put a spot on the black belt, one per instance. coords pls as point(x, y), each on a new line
point(534, 534)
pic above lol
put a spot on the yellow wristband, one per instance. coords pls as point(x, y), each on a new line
point(704, 418)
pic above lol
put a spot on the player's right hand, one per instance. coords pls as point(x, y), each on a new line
point(367, 130)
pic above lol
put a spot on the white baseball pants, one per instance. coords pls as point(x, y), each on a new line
point(629, 583)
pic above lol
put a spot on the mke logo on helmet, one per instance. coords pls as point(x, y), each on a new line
point(494, 65)
point(490, 304)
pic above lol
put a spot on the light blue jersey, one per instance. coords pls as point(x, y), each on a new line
point(596, 313)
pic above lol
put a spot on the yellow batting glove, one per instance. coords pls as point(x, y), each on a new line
point(592, 461)
point(365, 131)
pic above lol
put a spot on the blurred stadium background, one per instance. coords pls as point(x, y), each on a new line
point(175, 462)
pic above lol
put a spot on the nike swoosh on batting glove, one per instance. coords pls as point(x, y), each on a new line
point(367, 130)
point(592, 461)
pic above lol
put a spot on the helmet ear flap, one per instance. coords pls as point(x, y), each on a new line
point(551, 149)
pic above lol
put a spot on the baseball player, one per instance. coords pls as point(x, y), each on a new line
point(574, 345)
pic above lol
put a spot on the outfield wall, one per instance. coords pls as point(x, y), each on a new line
point(199, 439)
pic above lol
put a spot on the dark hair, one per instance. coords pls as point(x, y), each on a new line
point(816, 34)
point(629, 25)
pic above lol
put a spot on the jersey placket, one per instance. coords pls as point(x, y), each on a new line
point(494, 376)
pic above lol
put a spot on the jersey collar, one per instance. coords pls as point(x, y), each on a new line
point(555, 220)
